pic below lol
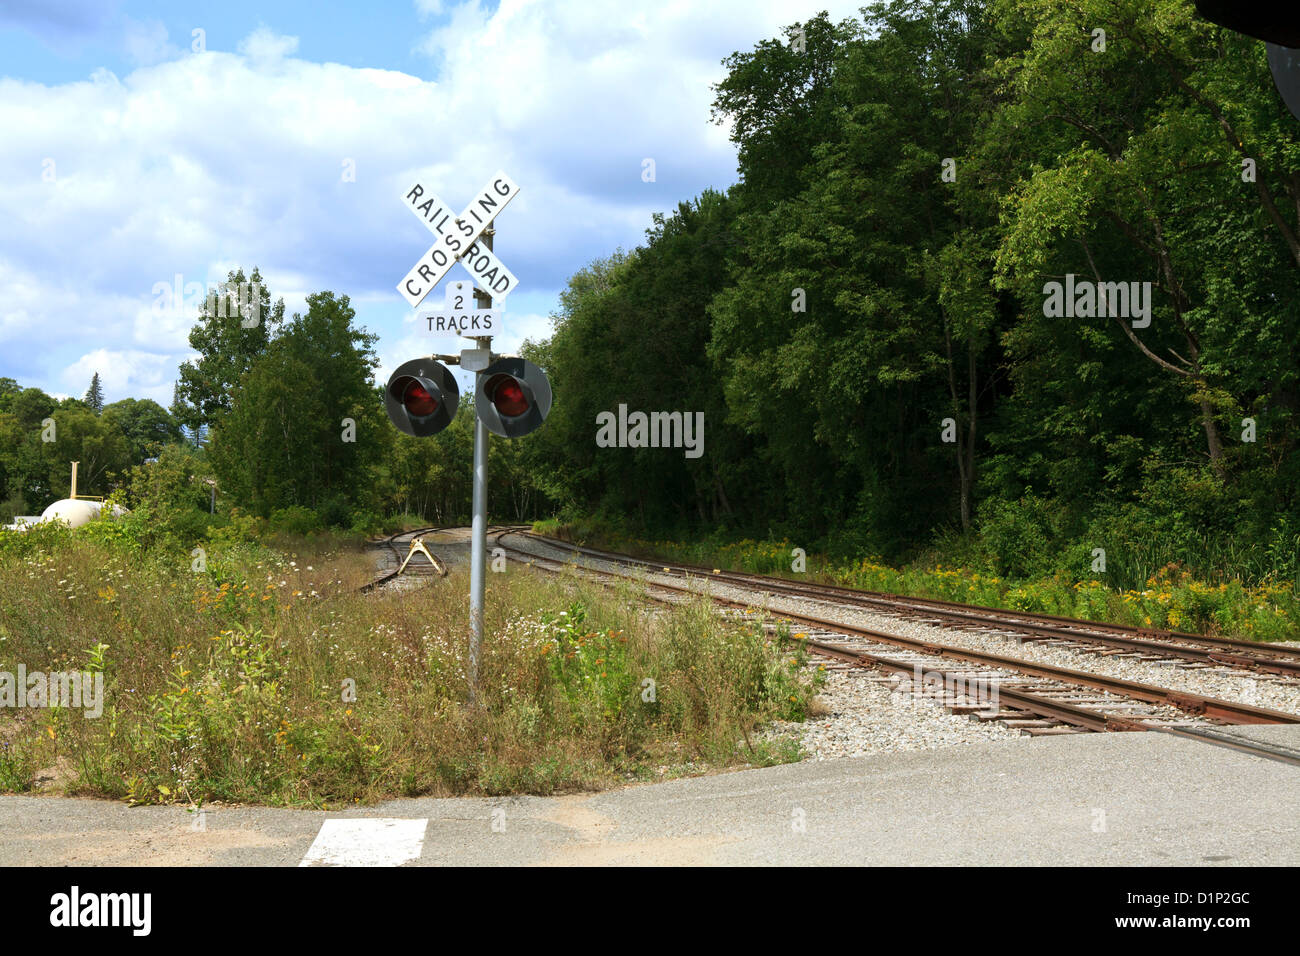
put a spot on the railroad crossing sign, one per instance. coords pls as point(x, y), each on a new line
point(460, 315)
point(458, 239)
point(421, 396)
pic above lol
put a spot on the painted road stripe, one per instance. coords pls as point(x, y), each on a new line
point(367, 842)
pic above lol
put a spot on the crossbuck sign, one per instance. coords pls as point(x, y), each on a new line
point(458, 239)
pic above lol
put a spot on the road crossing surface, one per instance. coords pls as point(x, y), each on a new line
point(1094, 799)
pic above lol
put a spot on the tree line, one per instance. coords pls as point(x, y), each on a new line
point(40, 435)
point(279, 417)
point(862, 317)
point(866, 318)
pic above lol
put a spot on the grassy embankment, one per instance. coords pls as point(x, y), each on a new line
point(1172, 597)
point(265, 678)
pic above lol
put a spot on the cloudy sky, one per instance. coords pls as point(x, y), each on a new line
point(143, 141)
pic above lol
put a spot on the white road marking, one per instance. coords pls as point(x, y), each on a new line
point(366, 842)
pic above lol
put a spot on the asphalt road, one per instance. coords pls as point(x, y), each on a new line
point(1115, 799)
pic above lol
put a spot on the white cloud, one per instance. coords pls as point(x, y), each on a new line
point(200, 162)
point(265, 44)
point(147, 42)
point(125, 373)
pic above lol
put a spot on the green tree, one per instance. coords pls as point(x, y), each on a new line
point(1137, 174)
point(642, 320)
point(146, 425)
point(846, 334)
point(863, 315)
point(304, 428)
point(97, 444)
point(228, 343)
point(95, 395)
point(171, 497)
point(780, 99)
point(24, 466)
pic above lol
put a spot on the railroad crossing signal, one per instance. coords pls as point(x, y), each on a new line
point(1269, 21)
point(421, 397)
point(1277, 26)
point(1284, 62)
point(513, 397)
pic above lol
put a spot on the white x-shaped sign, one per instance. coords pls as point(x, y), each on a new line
point(458, 240)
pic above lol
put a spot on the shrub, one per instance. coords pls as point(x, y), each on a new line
point(294, 519)
point(366, 523)
point(1020, 536)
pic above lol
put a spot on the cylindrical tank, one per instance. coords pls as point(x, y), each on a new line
point(75, 512)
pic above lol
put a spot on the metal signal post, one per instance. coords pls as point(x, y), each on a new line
point(478, 523)
point(478, 549)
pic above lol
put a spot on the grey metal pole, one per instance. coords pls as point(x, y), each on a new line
point(478, 529)
point(478, 551)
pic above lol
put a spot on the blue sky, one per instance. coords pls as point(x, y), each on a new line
point(136, 149)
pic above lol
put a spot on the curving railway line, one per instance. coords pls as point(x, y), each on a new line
point(1096, 636)
point(1035, 698)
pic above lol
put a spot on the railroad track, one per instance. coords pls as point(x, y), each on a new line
point(1034, 698)
point(1118, 640)
point(420, 570)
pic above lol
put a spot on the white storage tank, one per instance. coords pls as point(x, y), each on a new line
point(75, 512)
point(72, 511)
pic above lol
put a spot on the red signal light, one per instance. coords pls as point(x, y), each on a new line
point(421, 397)
point(512, 397)
point(417, 400)
point(507, 396)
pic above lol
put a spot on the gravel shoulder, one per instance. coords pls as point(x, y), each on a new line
point(864, 716)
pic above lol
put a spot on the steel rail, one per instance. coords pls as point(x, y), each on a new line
point(1022, 700)
point(1256, 748)
point(1212, 708)
point(1275, 660)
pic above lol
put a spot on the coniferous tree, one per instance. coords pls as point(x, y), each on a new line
point(95, 395)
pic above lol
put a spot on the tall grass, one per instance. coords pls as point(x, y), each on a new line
point(265, 678)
